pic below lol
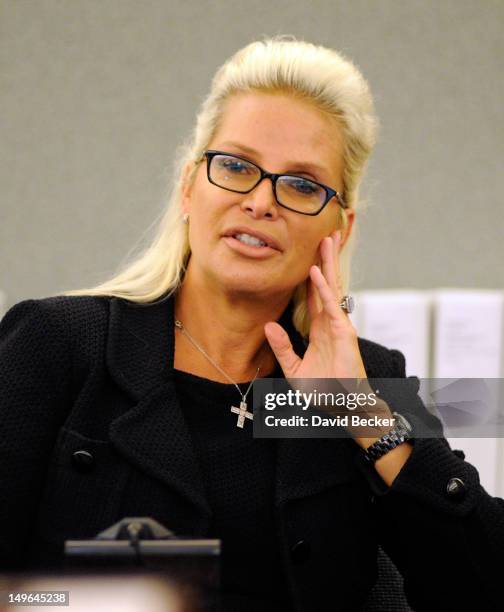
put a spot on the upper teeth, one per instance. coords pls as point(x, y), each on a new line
point(248, 239)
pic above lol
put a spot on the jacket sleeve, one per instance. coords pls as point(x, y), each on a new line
point(446, 537)
point(34, 368)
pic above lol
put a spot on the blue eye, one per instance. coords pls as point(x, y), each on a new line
point(234, 165)
point(304, 187)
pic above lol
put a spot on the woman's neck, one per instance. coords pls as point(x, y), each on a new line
point(230, 329)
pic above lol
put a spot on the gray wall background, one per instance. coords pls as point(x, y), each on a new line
point(96, 94)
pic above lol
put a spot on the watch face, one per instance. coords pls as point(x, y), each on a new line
point(402, 422)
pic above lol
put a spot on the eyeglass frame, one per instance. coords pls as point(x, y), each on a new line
point(330, 193)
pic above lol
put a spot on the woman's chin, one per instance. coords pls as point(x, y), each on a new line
point(252, 286)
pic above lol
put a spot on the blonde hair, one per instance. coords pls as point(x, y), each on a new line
point(281, 64)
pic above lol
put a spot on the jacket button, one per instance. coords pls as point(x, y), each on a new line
point(300, 552)
point(83, 461)
point(456, 488)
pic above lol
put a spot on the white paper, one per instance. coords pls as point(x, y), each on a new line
point(468, 333)
point(398, 319)
point(468, 344)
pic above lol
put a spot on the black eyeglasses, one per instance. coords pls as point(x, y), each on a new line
point(299, 194)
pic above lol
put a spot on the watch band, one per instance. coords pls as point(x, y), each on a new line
point(400, 433)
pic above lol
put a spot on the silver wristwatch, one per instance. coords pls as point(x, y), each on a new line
point(401, 432)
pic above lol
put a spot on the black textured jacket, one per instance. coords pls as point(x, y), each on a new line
point(95, 374)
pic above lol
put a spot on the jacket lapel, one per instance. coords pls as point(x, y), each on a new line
point(153, 433)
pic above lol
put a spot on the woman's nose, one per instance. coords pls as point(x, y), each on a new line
point(261, 202)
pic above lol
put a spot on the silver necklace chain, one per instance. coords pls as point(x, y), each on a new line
point(242, 410)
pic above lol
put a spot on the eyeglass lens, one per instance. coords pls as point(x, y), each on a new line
point(295, 192)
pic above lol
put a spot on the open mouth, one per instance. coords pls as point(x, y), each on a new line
point(252, 238)
point(249, 246)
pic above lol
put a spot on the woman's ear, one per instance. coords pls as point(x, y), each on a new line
point(186, 187)
point(347, 230)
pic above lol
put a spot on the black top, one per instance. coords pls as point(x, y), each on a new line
point(95, 374)
point(239, 473)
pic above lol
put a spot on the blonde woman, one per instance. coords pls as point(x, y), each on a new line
point(130, 398)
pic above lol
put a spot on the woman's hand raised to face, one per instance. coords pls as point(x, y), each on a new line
point(333, 350)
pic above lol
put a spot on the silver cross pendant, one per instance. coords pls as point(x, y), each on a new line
point(242, 413)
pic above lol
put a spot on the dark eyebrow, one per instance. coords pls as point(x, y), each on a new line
point(301, 166)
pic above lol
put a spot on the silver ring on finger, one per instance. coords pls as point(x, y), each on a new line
point(347, 304)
